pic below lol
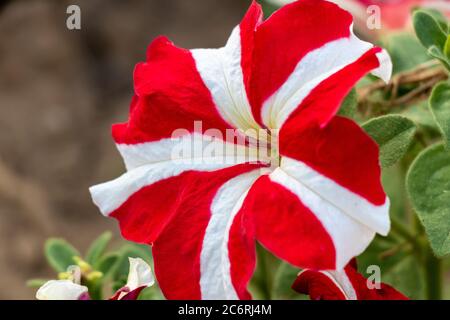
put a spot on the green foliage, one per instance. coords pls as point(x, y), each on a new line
point(399, 267)
point(60, 254)
point(428, 184)
point(406, 52)
point(349, 105)
point(98, 247)
point(432, 30)
point(394, 135)
point(447, 48)
point(103, 271)
point(421, 115)
point(284, 278)
point(429, 30)
point(440, 107)
point(107, 263)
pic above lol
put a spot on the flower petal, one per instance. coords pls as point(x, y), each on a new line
point(140, 274)
point(298, 225)
point(342, 152)
point(192, 255)
point(294, 53)
point(127, 197)
point(170, 95)
point(223, 70)
point(318, 285)
point(61, 290)
point(346, 284)
point(318, 99)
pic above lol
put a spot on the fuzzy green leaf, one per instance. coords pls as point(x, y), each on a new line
point(394, 135)
point(60, 254)
point(406, 52)
point(98, 247)
point(429, 30)
point(440, 107)
point(349, 105)
point(428, 185)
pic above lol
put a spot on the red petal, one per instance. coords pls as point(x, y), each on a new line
point(285, 38)
point(342, 151)
point(318, 286)
point(170, 95)
point(288, 228)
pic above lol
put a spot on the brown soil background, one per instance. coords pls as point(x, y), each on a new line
point(60, 91)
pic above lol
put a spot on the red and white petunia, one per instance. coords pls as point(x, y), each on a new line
point(346, 284)
point(140, 277)
point(316, 202)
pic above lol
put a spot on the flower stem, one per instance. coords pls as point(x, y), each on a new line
point(400, 229)
point(434, 276)
point(264, 269)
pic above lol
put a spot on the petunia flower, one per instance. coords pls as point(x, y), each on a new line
point(139, 277)
point(314, 199)
point(394, 14)
point(346, 284)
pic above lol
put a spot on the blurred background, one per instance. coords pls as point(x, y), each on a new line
point(60, 91)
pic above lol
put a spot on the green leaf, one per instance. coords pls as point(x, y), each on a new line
point(439, 17)
point(59, 254)
point(421, 115)
point(447, 48)
point(406, 52)
point(36, 283)
point(440, 108)
point(98, 247)
point(284, 278)
point(349, 105)
point(394, 135)
point(429, 30)
point(428, 185)
point(437, 53)
point(107, 263)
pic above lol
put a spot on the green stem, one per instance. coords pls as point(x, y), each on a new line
point(400, 229)
point(434, 276)
point(263, 268)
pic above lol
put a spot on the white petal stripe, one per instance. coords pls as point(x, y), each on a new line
point(314, 68)
point(215, 279)
point(349, 236)
point(221, 72)
point(109, 196)
point(372, 216)
point(192, 147)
